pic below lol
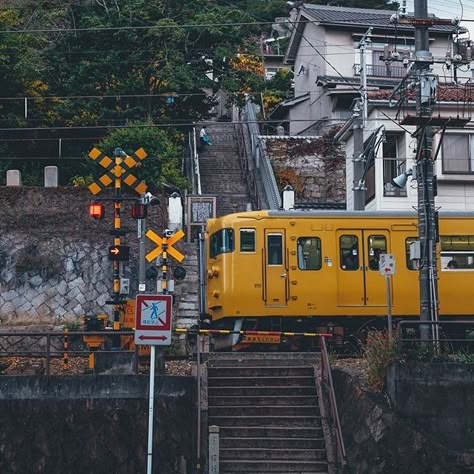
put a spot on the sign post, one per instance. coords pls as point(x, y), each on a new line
point(153, 327)
point(387, 268)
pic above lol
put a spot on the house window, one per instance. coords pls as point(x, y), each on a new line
point(392, 166)
point(458, 153)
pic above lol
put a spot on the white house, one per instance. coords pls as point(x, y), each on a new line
point(324, 51)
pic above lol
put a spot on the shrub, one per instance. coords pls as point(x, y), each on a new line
point(379, 353)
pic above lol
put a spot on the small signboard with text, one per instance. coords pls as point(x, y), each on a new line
point(153, 326)
point(387, 264)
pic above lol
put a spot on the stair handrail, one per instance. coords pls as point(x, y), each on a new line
point(259, 159)
point(245, 166)
point(191, 169)
point(335, 423)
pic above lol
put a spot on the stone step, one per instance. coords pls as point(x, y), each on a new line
point(273, 454)
point(259, 381)
point(267, 411)
point(285, 432)
point(258, 401)
point(262, 391)
point(272, 443)
point(284, 420)
point(259, 359)
point(265, 466)
point(261, 371)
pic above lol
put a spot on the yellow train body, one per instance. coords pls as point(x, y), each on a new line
point(323, 265)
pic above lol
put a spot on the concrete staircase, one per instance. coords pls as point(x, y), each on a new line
point(267, 409)
point(186, 291)
point(220, 169)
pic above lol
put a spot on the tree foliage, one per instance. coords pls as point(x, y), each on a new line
point(89, 66)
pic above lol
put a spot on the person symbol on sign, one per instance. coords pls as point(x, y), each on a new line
point(154, 313)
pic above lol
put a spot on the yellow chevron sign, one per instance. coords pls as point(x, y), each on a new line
point(159, 241)
point(115, 170)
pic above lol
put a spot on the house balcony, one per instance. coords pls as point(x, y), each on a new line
point(381, 70)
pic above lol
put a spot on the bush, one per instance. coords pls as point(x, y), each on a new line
point(379, 353)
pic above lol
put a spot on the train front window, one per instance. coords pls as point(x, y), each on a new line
point(221, 241)
point(247, 240)
point(275, 249)
point(309, 253)
point(457, 252)
point(349, 252)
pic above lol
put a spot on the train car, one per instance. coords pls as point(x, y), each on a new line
point(318, 271)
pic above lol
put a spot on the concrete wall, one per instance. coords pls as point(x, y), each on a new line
point(437, 397)
point(379, 441)
point(95, 424)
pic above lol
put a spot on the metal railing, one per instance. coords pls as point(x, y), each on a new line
point(381, 70)
point(444, 337)
point(60, 345)
point(191, 163)
point(330, 395)
point(257, 162)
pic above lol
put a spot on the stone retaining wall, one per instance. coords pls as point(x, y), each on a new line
point(54, 262)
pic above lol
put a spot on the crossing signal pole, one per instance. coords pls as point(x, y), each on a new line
point(117, 170)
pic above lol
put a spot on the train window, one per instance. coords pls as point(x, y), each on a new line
point(309, 253)
point(275, 249)
point(376, 244)
point(349, 252)
point(221, 241)
point(457, 252)
point(247, 240)
point(411, 264)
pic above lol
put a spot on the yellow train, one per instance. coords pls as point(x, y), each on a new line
point(318, 271)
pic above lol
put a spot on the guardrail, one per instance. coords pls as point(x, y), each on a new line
point(328, 390)
point(54, 345)
point(443, 337)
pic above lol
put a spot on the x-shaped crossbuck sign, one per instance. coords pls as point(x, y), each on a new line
point(121, 171)
point(159, 241)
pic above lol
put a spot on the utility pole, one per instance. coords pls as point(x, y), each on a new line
point(360, 117)
point(426, 94)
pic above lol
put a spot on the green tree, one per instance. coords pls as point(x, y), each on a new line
point(164, 150)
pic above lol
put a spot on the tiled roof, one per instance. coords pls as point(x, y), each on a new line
point(331, 15)
point(445, 93)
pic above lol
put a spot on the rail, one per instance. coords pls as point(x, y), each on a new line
point(258, 162)
point(328, 390)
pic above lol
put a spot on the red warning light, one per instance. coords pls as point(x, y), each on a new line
point(139, 210)
point(96, 210)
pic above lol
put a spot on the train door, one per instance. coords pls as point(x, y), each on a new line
point(275, 292)
point(359, 282)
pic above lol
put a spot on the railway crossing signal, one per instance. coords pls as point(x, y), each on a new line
point(165, 244)
point(118, 170)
